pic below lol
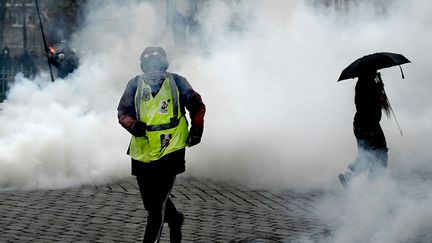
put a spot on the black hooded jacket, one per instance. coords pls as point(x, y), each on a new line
point(369, 104)
point(368, 100)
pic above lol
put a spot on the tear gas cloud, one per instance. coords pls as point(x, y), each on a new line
point(383, 211)
point(66, 133)
point(276, 115)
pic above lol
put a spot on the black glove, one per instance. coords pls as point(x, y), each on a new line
point(194, 137)
point(138, 129)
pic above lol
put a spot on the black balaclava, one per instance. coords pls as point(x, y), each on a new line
point(154, 64)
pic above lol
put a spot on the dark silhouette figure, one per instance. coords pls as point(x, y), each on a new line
point(370, 99)
point(64, 59)
point(5, 59)
point(28, 64)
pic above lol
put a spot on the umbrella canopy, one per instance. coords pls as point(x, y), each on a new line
point(373, 62)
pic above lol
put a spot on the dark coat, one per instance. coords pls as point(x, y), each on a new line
point(369, 103)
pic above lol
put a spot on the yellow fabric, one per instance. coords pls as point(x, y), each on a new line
point(155, 111)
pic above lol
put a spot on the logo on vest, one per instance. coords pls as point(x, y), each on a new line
point(163, 107)
point(165, 140)
point(146, 94)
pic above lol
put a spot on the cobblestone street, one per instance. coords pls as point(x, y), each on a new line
point(215, 212)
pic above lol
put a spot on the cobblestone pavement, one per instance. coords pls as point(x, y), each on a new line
point(215, 212)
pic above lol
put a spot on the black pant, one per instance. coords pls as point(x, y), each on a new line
point(372, 151)
point(371, 136)
point(155, 188)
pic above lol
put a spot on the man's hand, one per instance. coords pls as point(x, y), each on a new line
point(138, 129)
point(194, 137)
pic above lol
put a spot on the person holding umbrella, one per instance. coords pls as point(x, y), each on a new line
point(370, 99)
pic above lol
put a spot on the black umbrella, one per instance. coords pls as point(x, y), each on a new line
point(373, 62)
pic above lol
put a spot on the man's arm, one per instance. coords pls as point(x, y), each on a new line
point(126, 107)
point(193, 103)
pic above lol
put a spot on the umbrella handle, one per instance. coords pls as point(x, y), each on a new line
point(403, 76)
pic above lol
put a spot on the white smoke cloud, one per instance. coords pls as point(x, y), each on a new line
point(66, 133)
point(275, 114)
point(383, 211)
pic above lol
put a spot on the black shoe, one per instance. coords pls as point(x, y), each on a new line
point(175, 228)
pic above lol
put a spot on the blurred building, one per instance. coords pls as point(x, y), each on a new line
point(21, 42)
point(19, 27)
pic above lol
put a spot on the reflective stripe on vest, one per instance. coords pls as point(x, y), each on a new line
point(167, 128)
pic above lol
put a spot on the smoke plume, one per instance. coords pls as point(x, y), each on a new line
point(275, 114)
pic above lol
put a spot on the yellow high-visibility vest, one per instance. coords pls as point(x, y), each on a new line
point(167, 128)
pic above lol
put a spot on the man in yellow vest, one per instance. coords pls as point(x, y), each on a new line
point(152, 109)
